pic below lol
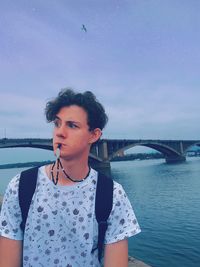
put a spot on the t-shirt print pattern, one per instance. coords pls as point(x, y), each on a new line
point(61, 228)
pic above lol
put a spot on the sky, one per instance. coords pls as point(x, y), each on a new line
point(141, 58)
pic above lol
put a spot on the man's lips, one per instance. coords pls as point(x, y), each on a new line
point(59, 145)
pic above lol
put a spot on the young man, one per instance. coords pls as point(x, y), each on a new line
point(61, 228)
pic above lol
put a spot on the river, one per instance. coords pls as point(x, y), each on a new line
point(166, 200)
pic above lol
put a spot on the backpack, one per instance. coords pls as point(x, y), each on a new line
point(103, 201)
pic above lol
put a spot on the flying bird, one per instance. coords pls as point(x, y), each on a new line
point(84, 28)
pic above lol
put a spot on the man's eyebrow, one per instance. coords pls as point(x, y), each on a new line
point(57, 117)
point(75, 122)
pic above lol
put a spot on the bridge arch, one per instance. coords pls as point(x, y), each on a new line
point(106, 149)
point(93, 158)
point(189, 146)
point(167, 151)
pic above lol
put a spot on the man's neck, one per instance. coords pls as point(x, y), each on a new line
point(75, 169)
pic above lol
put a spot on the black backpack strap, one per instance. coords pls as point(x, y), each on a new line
point(27, 185)
point(103, 207)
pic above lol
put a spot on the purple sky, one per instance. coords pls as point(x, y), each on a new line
point(141, 58)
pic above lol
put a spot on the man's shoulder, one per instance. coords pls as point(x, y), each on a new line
point(14, 182)
point(116, 185)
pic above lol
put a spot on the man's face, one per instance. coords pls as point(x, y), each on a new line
point(71, 130)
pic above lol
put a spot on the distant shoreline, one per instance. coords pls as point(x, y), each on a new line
point(24, 164)
point(139, 156)
point(128, 157)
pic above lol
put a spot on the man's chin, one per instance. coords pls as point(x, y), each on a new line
point(65, 157)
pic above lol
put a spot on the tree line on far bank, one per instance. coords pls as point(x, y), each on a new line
point(126, 157)
point(139, 156)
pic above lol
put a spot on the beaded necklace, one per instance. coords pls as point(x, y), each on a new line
point(59, 164)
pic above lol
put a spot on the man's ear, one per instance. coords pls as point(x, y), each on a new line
point(95, 135)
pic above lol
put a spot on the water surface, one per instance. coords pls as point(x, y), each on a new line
point(166, 200)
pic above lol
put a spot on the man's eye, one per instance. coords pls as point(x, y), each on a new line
point(72, 125)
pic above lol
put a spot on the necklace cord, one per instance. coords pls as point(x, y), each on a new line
point(59, 164)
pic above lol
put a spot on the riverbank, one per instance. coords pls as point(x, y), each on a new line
point(25, 164)
point(132, 262)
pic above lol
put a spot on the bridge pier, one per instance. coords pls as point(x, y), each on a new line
point(103, 150)
point(175, 159)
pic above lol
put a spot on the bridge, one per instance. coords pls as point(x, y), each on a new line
point(106, 149)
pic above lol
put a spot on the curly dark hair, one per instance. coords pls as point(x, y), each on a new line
point(97, 117)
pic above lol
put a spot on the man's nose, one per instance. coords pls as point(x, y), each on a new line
point(61, 131)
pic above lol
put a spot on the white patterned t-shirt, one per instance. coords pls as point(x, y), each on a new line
point(61, 228)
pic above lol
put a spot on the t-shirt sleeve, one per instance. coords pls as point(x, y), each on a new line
point(122, 222)
point(10, 217)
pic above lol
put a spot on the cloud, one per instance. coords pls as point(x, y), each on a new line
point(166, 112)
point(22, 116)
point(141, 59)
